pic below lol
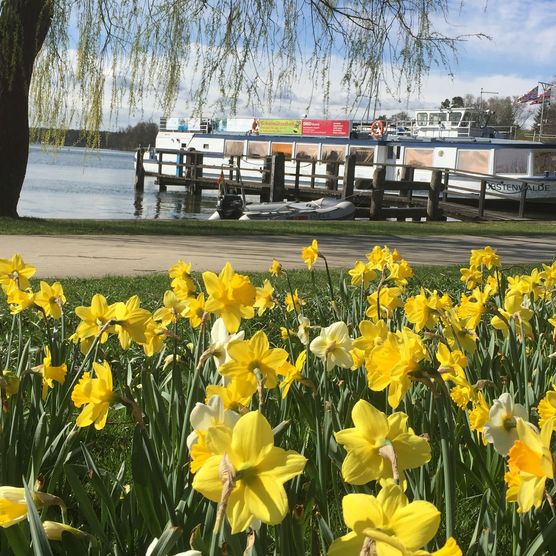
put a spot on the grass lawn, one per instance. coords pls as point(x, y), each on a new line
point(192, 227)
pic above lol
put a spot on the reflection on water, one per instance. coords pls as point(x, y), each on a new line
point(76, 183)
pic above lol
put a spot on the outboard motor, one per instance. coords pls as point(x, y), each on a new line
point(229, 206)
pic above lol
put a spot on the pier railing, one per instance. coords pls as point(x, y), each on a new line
point(376, 198)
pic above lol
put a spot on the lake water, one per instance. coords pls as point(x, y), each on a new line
point(79, 183)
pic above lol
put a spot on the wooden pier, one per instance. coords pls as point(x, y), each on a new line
point(376, 198)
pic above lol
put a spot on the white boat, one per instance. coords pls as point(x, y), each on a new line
point(437, 139)
point(232, 206)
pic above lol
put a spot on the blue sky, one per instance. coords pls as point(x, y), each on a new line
point(521, 52)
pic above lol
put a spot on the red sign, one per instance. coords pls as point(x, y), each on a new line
point(326, 128)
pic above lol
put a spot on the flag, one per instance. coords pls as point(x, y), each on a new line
point(543, 97)
point(531, 95)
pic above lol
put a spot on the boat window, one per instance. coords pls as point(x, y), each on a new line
point(418, 158)
point(257, 149)
point(544, 162)
point(307, 151)
point(511, 161)
point(455, 117)
point(233, 148)
point(422, 118)
point(473, 161)
point(333, 153)
point(437, 117)
point(363, 155)
point(285, 148)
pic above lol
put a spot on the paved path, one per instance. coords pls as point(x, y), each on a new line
point(102, 255)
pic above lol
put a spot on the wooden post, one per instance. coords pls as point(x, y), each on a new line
point(231, 171)
point(161, 184)
point(238, 171)
point(313, 172)
point(434, 194)
point(277, 175)
point(197, 160)
point(332, 169)
point(179, 164)
point(297, 173)
point(349, 176)
point(265, 189)
point(522, 198)
point(482, 194)
point(446, 183)
point(405, 177)
point(139, 170)
point(377, 193)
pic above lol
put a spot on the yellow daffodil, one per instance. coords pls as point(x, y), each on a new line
point(291, 373)
point(457, 334)
point(547, 407)
point(303, 330)
point(51, 373)
point(17, 299)
point(236, 395)
point(257, 471)
point(254, 355)
point(9, 383)
point(333, 346)
point(173, 310)
point(361, 274)
point(96, 394)
point(450, 548)
point(54, 531)
point(195, 310)
point(130, 321)
point(95, 320)
point(310, 254)
point(15, 271)
point(486, 257)
point(50, 298)
point(390, 363)
point(372, 335)
point(379, 447)
point(399, 272)
point(275, 268)
point(515, 310)
point(452, 362)
point(155, 334)
point(471, 277)
point(388, 298)
point(264, 298)
point(463, 392)
point(182, 283)
point(548, 275)
point(230, 296)
point(379, 257)
point(530, 463)
point(13, 507)
point(293, 302)
point(418, 312)
point(478, 416)
point(387, 524)
point(472, 308)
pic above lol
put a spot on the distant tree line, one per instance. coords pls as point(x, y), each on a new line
point(125, 139)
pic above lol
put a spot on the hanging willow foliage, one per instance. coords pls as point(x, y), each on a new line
point(248, 49)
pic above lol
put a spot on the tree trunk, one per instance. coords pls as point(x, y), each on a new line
point(23, 28)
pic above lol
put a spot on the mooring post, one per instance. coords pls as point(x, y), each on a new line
point(349, 176)
point(332, 171)
point(179, 164)
point(297, 173)
point(434, 195)
point(265, 180)
point(139, 170)
point(277, 175)
point(445, 186)
point(522, 198)
point(313, 172)
point(197, 174)
point(482, 194)
point(377, 193)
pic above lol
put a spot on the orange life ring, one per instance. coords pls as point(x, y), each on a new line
point(377, 129)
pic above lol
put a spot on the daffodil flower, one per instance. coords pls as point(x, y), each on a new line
point(310, 254)
point(385, 524)
point(333, 346)
point(369, 443)
point(51, 373)
point(530, 464)
point(15, 271)
point(258, 469)
point(50, 299)
point(500, 429)
point(264, 298)
point(96, 394)
point(254, 355)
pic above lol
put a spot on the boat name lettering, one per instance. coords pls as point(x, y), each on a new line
point(504, 187)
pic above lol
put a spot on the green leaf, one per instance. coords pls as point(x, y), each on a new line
point(41, 546)
point(167, 540)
